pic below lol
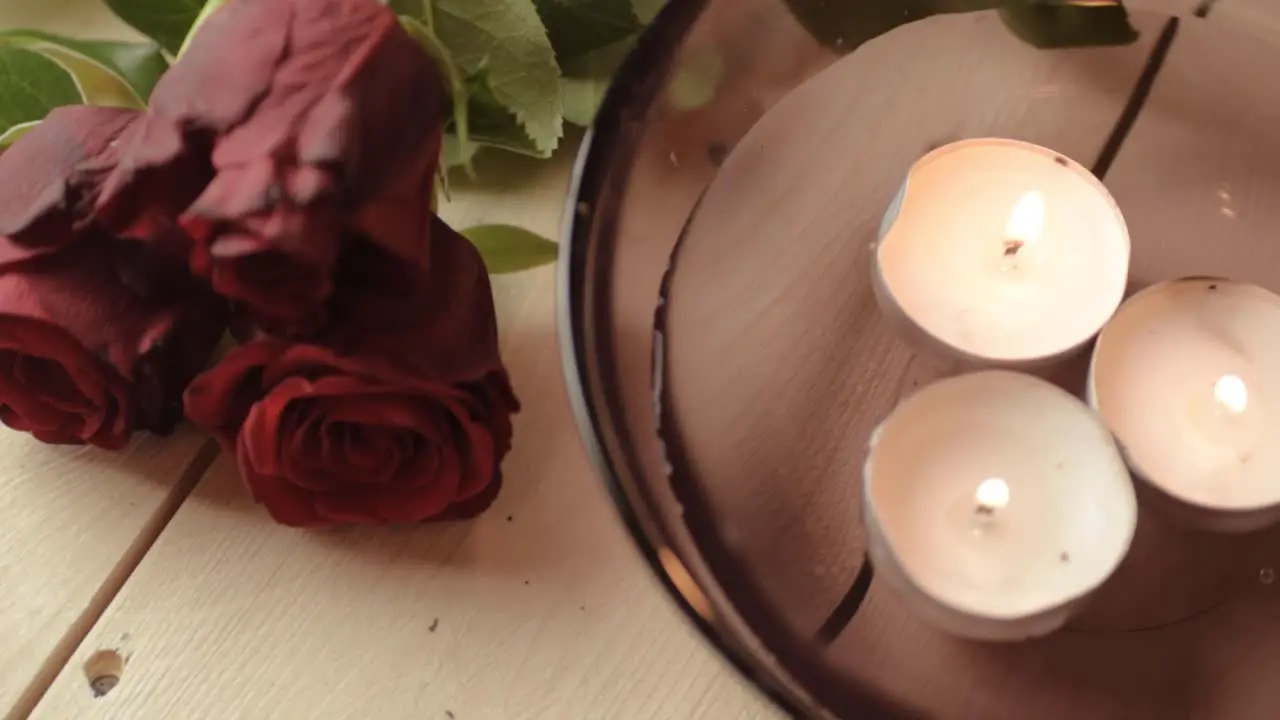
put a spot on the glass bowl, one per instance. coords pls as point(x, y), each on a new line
point(727, 360)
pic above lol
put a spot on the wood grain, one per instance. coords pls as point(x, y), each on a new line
point(73, 524)
point(540, 609)
point(779, 363)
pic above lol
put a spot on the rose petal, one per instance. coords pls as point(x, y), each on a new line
point(31, 410)
point(438, 325)
point(384, 504)
point(480, 462)
point(474, 505)
point(263, 432)
point(278, 288)
point(224, 74)
point(220, 398)
point(287, 503)
point(47, 182)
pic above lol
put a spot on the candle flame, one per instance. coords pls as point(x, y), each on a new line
point(1231, 393)
point(992, 494)
point(1026, 220)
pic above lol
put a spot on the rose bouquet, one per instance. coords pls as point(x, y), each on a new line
point(277, 185)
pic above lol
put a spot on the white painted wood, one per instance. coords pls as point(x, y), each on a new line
point(73, 524)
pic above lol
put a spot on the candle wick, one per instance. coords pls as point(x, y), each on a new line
point(984, 509)
point(1011, 247)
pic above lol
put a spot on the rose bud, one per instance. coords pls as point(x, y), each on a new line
point(400, 412)
point(83, 358)
point(321, 117)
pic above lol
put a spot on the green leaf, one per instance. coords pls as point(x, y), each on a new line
point(581, 98)
point(508, 249)
point(503, 50)
point(578, 27)
point(844, 26)
point(30, 86)
point(167, 22)
point(489, 123)
point(1067, 25)
point(416, 9)
point(459, 95)
point(210, 7)
point(115, 73)
point(646, 10)
point(695, 82)
point(456, 153)
point(586, 79)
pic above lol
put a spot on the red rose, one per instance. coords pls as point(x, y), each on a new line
point(321, 117)
point(96, 340)
point(49, 180)
point(400, 411)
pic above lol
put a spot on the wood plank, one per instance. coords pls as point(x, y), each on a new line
point(539, 609)
point(73, 524)
point(779, 364)
point(73, 521)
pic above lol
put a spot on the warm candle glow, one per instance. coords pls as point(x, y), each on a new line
point(1231, 393)
point(1002, 253)
point(992, 494)
point(940, 475)
point(1187, 376)
point(1026, 222)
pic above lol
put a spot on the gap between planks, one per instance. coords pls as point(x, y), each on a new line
point(76, 632)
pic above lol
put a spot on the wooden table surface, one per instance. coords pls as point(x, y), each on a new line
point(539, 609)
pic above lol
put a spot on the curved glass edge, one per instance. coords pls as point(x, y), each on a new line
point(592, 164)
point(597, 186)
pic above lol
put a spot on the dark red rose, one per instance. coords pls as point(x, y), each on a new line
point(84, 359)
point(400, 411)
point(321, 117)
point(97, 339)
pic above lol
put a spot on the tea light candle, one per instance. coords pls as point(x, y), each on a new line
point(1002, 253)
point(996, 502)
point(1187, 376)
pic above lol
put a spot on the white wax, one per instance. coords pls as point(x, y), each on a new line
point(998, 498)
point(1003, 251)
point(1187, 376)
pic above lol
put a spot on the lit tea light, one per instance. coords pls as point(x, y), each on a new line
point(992, 494)
point(996, 503)
point(1002, 253)
point(1187, 376)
